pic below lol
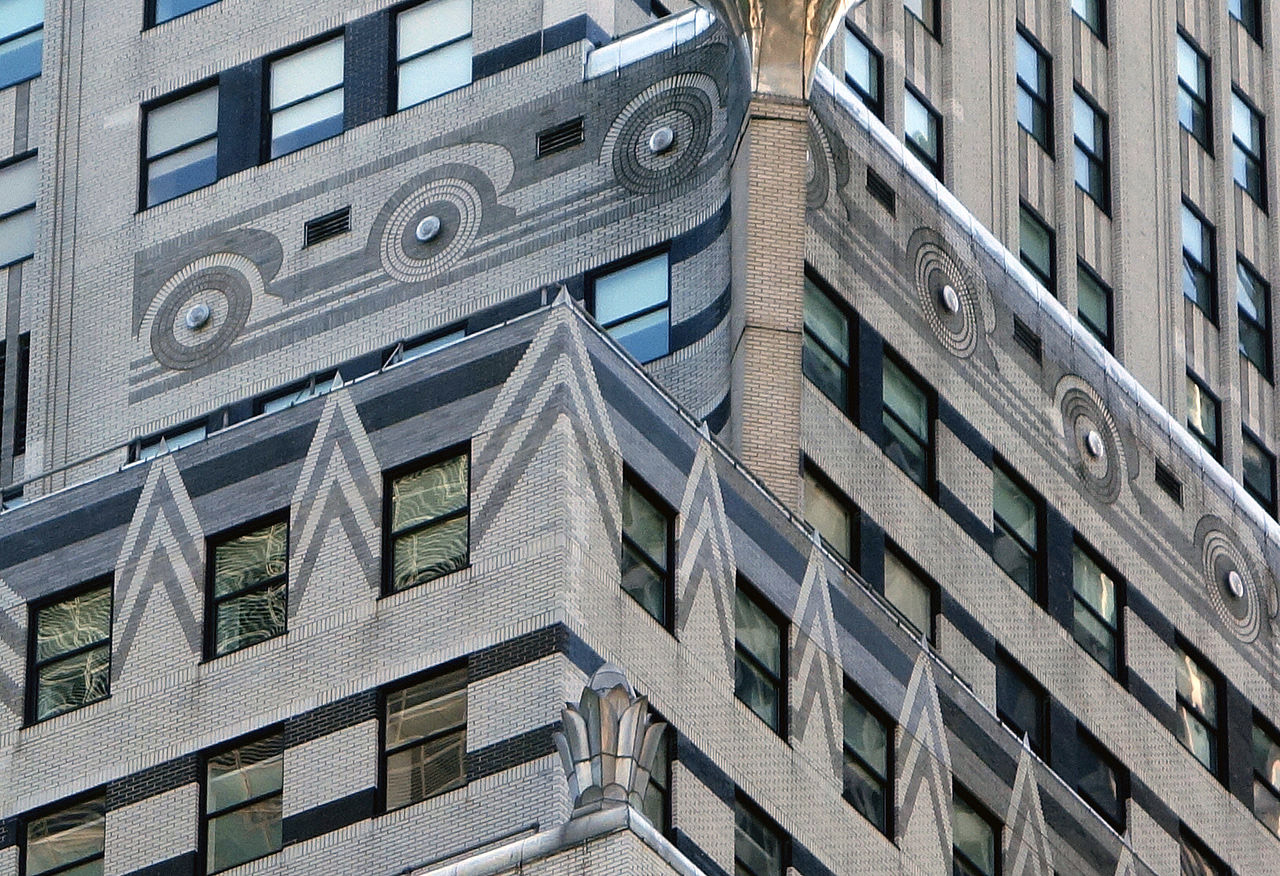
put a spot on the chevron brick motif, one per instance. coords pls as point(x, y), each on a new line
point(12, 637)
point(340, 484)
point(706, 567)
point(1027, 850)
point(924, 778)
point(816, 677)
point(160, 562)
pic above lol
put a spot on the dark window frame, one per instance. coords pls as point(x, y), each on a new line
point(594, 276)
point(33, 666)
point(874, 103)
point(934, 26)
point(930, 443)
point(21, 362)
point(1039, 739)
point(1257, 159)
point(202, 783)
point(213, 602)
point(824, 481)
point(25, 820)
point(630, 478)
point(268, 113)
point(935, 591)
point(396, 62)
point(1049, 281)
point(1208, 274)
point(1203, 101)
point(873, 709)
point(961, 863)
point(1098, 28)
point(1089, 743)
point(145, 160)
point(149, 14)
point(1040, 101)
point(1107, 337)
point(1214, 446)
point(1037, 554)
point(1117, 629)
point(389, 476)
point(1102, 163)
point(755, 811)
point(1263, 328)
point(1268, 504)
point(1216, 730)
point(755, 596)
point(1250, 18)
point(460, 664)
point(932, 163)
point(849, 406)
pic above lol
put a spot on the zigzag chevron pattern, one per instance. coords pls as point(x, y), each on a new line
point(924, 779)
point(707, 562)
point(1027, 836)
point(1125, 865)
point(340, 482)
point(817, 675)
point(162, 551)
point(12, 637)
point(554, 375)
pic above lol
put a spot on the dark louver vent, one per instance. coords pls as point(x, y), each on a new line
point(563, 136)
point(327, 226)
point(1168, 481)
point(1026, 338)
point(880, 189)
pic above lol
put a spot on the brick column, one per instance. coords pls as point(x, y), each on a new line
point(768, 282)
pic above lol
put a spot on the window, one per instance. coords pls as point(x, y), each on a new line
point(1198, 263)
point(424, 739)
point(907, 417)
point(69, 840)
point(23, 363)
point(70, 652)
point(433, 50)
point(1016, 516)
point(1259, 471)
point(1035, 248)
point(181, 138)
point(1096, 610)
point(1035, 97)
point(647, 549)
point(1253, 301)
point(633, 304)
point(1103, 782)
point(1093, 174)
point(1022, 704)
point(21, 40)
point(1202, 415)
point(306, 97)
point(242, 802)
point(1193, 91)
point(160, 11)
point(829, 513)
point(759, 846)
point(248, 587)
point(926, 12)
point(313, 387)
point(922, 128)
point(1196, 859)
point(416, 348)
point(657, 796)
point(760, 644)
point(976, 851)
point(910, 592)
point(1247, 133)
point(428, 522)
point(1249, 14)
point(826, 359)
point(1093, 14)
point(864, 70)
point(168, 441)
point(1093, 302)
point(1197, 708)
point(1266, 775)
point(19, 180)
point(868, 762)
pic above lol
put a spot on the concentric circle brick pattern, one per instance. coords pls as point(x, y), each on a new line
point(456, 203)
point(226, 283)
point(1221, 554)
point(818, 171)
point(1092, 439)
point(935, 269)
point(683, 104)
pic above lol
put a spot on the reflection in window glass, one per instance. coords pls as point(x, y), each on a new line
point(72, 653)
point(907, 423)
point(21, 40)
point(1102, 782)
point(909, 593)
point(1253, 303)
point(18, 184)
point(425, 739)
point(825, 358)
point(182, 145)
point(1259, 467)
point(974, 837)
point(759, 648)
point(1249, 14)
point(657, 797)
point(922, 128)
point(306, 97)
point(242, 803)
point(164, 10)
point(867, 762)
point(862, 70)
point(1202, 415)
point(1247, 163)
point(429, 528)
point(1196, 860)
point(1092, 13)
point(433, 50)
point(828, 514)
point(1094, 303)
point(646, 540)
point(758, 846)
point(1016, 518)
point(632, 304)
point(1035, 248)
point(1197, 710)
point(1096, 614)
point(248, 595)
point(1198, 262)
point(1022, 704)
point(1266, 776)
point(1092, 173)
point(69, 841)
point(1193, 91)
point(1034, 99)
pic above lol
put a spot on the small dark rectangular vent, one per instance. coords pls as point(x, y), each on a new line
point(327, 226)
point(563, 136)
point(1168, 481)
point(880, 189)
point(1026, 338)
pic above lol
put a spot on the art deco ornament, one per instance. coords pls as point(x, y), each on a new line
point(782, 38)
point(608, 744)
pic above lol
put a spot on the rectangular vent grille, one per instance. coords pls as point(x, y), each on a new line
point(880, 189)
point(327, 226)
point(1168, 481)
point(563, 136)
point(1026, 338)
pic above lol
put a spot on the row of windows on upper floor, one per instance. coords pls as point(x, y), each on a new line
point(1020, 538)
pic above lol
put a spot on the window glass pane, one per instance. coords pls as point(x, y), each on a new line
point(757, 633)
point(1266, 805)
point(907, 400)
point(1259, 471)
point(181, 172)
point(1021, 703)
point(1266, 756)
point(1094, 303)
point(19, 183)
point(305, 73)
point(1197, 737)
point(1093, 585)
point(1036, 245)
point(645, 525)
point(1089, 11)
point(1202, 413)
point(973, 836)
point(244, 834)
point(1196, 861)
point(425, 770)
point(644, 583)
point(1197, 687)
point(1193, 235)
point(73, 623)
point(1097, 639)
point(645, 337)
point(433, 74)
point(17, 237)
point(826, 321)
point(1099, 783)
point(249, 619)
point(431, 24)
point(920, 127)
point(426, 709)
point(1086, 124)
point(828, 515)
point(908, 594)
point(1015, 508)
point(250, 559)
point(305, 123)
point(182, 121)
point(757, 848)
point(432, 492)
point(428, 553)
point(76, 833)
point(1245, 124)
point(655, 796)
point(18, 15)
point(757, 690)
point(167, 9)
point(243, 773)
point(861, 66)
point(20, 58)
point(631, 289)
point(1190, 68)
point(72, 682)
point(867, 737)
point(1251, 294)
